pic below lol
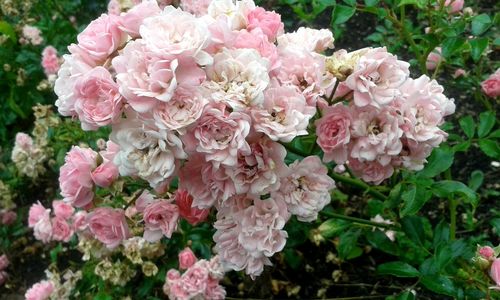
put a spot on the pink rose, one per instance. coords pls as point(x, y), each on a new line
point(257, 40)
point(99, 40)
point(36, 213)
point(9, 217)
point(377, 77)
point(454, 6)
point(24, 141)
point(268, 21)
point(108, 225)
point(486, 252)
point(495, 271)
point(311, 40)
point(43, 229)
point(79, 221)
point(61, 230)
point(491, 86)
point(132, 20)
point(75, 178)
point(62, 209)
point(98, 101)
point(433, 59)
point(196, 7)
point(194, 280)
point(160, 218)
point(40, 291)
point(105, 174)
point(191, 214)
point(50, 61)
point(114, 8)
point(214, 290)
point(371, 171)
point(333, 132)
point(4, 262)
point(186, 259)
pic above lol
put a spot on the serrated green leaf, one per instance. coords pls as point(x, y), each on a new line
point(380, 241)
point(451, 45)
point(342, 14)
point(476, 180)
point(347, 243)
point(398, 269)
point(441, 234)
point(350, 2)
point(490, 148)
point(468, 126)
point(439, 284)
point(445, 188)
point(370, 3)
point(480, 24)
point(477, 47)
point(414, 199)
point(413, 227)
point(439, 161)
point(486, 122)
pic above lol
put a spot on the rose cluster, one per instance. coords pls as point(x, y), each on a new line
point(384, 119)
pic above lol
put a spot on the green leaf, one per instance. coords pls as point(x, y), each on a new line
point(350, 2)
point(463, 146)
point(441, 234)
point(440, 160)
point(476, 180)
point(451, 45)
point(495, 134)
point(468, 126)
point(380, 241)
point(342, 14)
point(418, 3)
point(8, 30)
point(477, 47)
point(445, 188)
point(333, 227)
point(370, 3)
point(347, 244)
point(486, 123)
point(490, 148)
point(495, 223)
point(102, 296)
point(480, 24)
point(414, 199)
point(439, 284)
point(413, 227)
point(406, 296)
point(398, 269)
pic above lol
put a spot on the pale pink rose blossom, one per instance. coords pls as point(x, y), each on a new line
point(371, 171)
point(23, 141)
point(36, 213)
point(31, 35)
point(285, 114)
point(8, 217)
point(186, 258)
point(108, 225)
point(312, 40)
point(50, 61)
point(245, 239)
point(194, 280)
point(454, 6)
point(334, 133)
point(306, 188)
point(259, 171)
point(267, 21)
point(61, 229)
point(75, 178)
point(257, 40)
point(99, 40)
point(491, 86)
point(107, 172)
point(214, 290)
point(114, 7)
point(62, 209)
point(495, 271)
point(196, 7)
point(191, 214)
point(433, 59)
point(219, 135)
point(131, 21)
point(40, 291)
point(98, 101)
point(197, 174)
point(43, 229)
point(4, 262)
point(79, 221)
point(377, 77)
point(160, 219)
point(485, 252)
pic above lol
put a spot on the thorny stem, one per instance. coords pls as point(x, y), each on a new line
point(358, 220)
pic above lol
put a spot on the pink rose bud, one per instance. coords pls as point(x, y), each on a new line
point(105, 174)
point(491, 86)
point(61, 230)
point(486, 252)
point(454, 6)
point(433, 59)
point(40, 291)
point(186, 259)
point(4, 262)
point(495, 271)
point(459, 73)
point(62, 209)
point(79, 221)
point(9, 217)
point(50, 61)
point(36, 213)
point(108, 225)
point(192, 214)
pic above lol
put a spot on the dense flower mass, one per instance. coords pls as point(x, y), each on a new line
point(203, 96)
